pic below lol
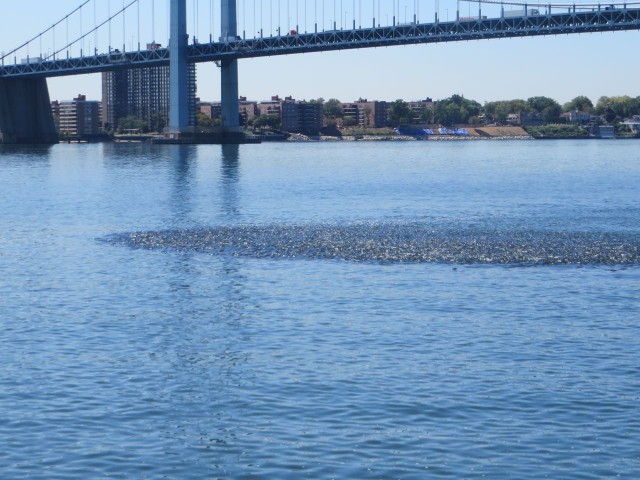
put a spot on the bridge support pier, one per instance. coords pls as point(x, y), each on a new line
point(229, 96)
point(25, 112)
point(178, 71)
point(229, 71)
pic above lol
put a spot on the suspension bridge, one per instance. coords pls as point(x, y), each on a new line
point(277, 27)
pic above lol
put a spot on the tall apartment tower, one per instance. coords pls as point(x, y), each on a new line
point(142, 93)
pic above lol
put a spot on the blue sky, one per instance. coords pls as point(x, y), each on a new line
point(558, 66)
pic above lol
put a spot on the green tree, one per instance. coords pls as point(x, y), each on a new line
point(581, 103)
point(158, 121)
point(266, 121)
point(332, 108)
point(108, 129)
point(367, 115)
point(398, 112)
point(455, 110)
point(448, 113)
point(349, 121)
point(425, 115)
point(475, 121)
point(548, 107)
point(605, 108)
point(618, 108)
point(203, 120)
point(132, 123)
point(498, 111)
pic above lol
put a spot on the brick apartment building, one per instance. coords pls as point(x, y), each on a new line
point(77, 117)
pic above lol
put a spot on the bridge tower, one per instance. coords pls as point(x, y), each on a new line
point(229, 71)
point(178, 68)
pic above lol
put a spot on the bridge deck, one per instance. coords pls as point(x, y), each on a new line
point(415, 33)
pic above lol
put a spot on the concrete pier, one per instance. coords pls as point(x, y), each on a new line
point(25, 112)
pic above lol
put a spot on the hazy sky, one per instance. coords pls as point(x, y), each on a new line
point(561, 67)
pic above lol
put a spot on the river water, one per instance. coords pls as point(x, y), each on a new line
point(344, 310)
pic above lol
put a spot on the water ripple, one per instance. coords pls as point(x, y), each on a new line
point(396, 243)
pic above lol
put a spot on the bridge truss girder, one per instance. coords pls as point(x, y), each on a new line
point(231, 49)
point(493, 28)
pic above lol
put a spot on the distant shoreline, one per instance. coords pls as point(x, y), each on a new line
point(402, 138)
point(496, 133)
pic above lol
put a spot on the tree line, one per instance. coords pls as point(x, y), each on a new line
point(611, 109)
point(457, 109)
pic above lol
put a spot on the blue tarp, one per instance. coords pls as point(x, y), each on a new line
point(427, 131)
point(414, 131)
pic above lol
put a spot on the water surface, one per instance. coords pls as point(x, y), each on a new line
point(353, 310)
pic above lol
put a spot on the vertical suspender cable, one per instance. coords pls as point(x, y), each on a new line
point(81, 35)
point(95, 25)
point(109, 17)
point(153, 21)
point(373, 8)
point(124, 29)
point(324, 21)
